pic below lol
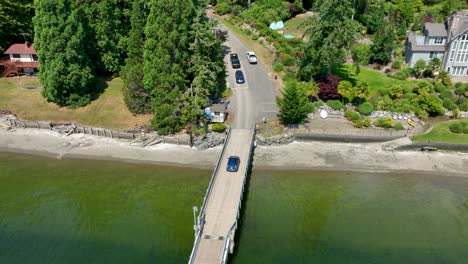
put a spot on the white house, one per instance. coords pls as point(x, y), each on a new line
point(447, 41)
point(22, 59)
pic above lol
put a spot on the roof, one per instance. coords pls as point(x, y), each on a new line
point(218, 108)
point(435, 29)
point(20, 48)
point(416, 47)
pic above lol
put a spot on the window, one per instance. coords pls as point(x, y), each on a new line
point(438, 40)
point(455, 44)
point(431, 55)
point(16, 56)
point(452, 55)
point(34, 56)
point(458, 56)
point(463, 37)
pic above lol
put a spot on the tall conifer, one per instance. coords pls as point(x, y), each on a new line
point(66, 71)
point(136, 97)
point(166, 58)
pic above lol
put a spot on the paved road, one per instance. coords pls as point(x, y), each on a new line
point(255, 98)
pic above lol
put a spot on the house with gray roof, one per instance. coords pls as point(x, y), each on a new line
point(446, 41)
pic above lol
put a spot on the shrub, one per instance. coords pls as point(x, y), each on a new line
point(396, 91)
point(328, 87)
point(254, 36)
point(459, 84)
point(399, 126)
point(388, 70)
point(456, 127)
point(421, 114)
point(384, 91)
point(366, 108)
point(248, 32)
point(439, 87)
point(449, 104)
point(446, 94)
point(396, 64)
point(218, 127)
point(400, 75)
point(366, 122)
point(222, 8)
point(358, 123)
point(318, 104)
point(385, 122)
point(460, 91)
point(463, 106)
point(407, 90)
point(424, 87)
point(361, 53)
point(429, 103)
point(278, 67)
point(335, 104)
point(410, 96)
point(289, 61)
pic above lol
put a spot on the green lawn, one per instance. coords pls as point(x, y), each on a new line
point(441, 133)
point(376, 80)
point(294, 26)
point(108, 111)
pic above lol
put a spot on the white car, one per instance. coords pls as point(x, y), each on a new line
point(251, 57)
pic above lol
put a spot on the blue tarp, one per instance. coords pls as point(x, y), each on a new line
point(277, 25)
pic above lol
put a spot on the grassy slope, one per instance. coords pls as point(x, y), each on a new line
point(108, 111)
point(376, 80)
point(293, 27)
point(441, 133)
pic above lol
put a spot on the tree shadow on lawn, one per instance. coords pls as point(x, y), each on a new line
point(344, 72)
point(100, 85)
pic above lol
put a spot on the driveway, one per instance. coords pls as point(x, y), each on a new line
point(254, 99)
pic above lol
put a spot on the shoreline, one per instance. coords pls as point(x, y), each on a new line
point(314, 156)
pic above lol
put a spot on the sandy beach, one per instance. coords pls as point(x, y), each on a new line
point(369, 157)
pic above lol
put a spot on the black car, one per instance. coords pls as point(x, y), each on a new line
point(240, 77)
point(235, 62)
point(233, 164)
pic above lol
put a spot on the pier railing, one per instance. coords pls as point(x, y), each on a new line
point(201, 215)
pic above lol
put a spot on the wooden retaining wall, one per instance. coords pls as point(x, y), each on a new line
point(94, 131)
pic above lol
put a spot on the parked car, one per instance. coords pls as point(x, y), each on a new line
point(251, 57)
point(235, 62)
point(233, 164)
point(239, 76)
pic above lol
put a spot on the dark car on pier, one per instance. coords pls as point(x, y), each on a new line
point(233, 164)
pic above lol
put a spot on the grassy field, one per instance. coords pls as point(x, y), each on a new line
point(108, 111)
point(441, 133)
point(376, 80)
point(293, 27)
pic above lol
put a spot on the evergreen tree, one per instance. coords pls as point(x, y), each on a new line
point(406, 10)
point(136, 97)
point(108, 29)
point(294, 105)
point(329, 32)
point(207, 66)
point(384, 43)
point(66, 72)
point(15, 18)
point(166, 58)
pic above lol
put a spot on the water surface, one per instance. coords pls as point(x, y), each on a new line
point(82, 211)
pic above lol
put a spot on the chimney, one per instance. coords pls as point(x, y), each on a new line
point(27, 43)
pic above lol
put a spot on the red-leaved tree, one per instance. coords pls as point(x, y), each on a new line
point(328, 87)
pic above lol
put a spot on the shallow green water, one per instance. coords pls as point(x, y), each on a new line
point(313, 217)
point(75, 211)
